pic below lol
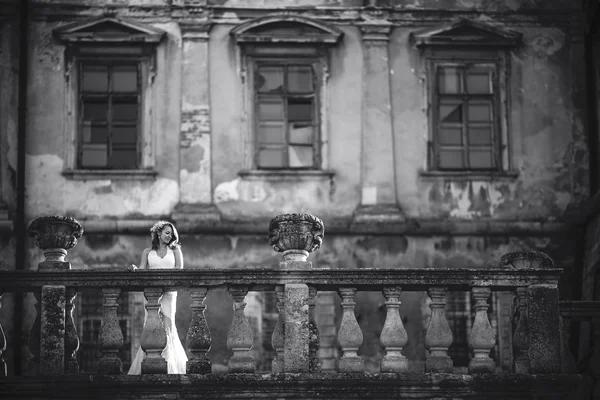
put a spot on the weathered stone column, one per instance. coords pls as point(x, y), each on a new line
point(393, 335)
point(198, 337)
point(350, 336)
point(240, 337)
point(313, 332)
point(439, 336)
point(482, 338)
point(110, 338)
point(296, 236)
point(33, 364)
point(278, 340)
point(196, 202)
point(71, 338)
point(3, 371)
point(378, 201)
point(521, 334)
point(154, 337)
point(54, 235)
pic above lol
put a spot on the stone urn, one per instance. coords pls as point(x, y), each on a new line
point(296, 235)
point(54, 235)
point(527, 259)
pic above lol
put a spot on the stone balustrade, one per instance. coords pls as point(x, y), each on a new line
point(530, 275)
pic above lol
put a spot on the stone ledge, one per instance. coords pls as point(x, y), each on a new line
point(278, 386)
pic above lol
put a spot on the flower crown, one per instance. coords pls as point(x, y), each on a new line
point(158, 226)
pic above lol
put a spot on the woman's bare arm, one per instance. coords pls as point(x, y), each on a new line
point(178, 258)
point(144, 260)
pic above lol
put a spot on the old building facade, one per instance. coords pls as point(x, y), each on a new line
point(430, 134)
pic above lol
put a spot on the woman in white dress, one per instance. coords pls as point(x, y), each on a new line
point(164, 253)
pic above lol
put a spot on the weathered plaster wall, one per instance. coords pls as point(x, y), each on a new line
point(48, 191)
point(239, 197)
point(547, 141)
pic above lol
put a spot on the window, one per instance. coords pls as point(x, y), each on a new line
point(286, 114)
point(467, 68)
point(110, 65)
point(109, 109)
point(285, 60)
point(465, 117)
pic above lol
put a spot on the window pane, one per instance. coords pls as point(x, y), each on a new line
point(299, 110)
point(270, 109)
point(95, 79)
point(479, 80)
point(94, 133)
point(480, 135)
point(271, 133)
point(449, 80)
point(300, 156)
point(124, 79)
point(124, 134)
point(124, 111)
point(300, 133)
point(481, 159)
point(451, 111)
point(300, 79)
point(451, 158)
point(452, 136)
point(270, 158)
point(124, 158)
point(95, 111)
point(269, 79)
point(480, 112)
point(93, 155)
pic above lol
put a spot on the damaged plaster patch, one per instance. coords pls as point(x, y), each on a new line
point(94, 197)
point(195, 122)
point(195, 181)
point(548, 43)
point(227, 191)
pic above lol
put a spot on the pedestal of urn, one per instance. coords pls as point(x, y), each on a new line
point(54, 235)
point(296, 236)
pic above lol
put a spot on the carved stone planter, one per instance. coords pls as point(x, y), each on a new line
point(296, 235)
point(528, 259)
point(54, 235)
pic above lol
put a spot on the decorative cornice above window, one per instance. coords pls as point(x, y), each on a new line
point(108, 30)
point(286, 29)
point(465, 32)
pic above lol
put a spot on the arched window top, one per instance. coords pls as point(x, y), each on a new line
point(466, 32)
point(286, 29)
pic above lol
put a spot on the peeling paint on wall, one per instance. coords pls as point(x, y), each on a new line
point(227, 191)
point(195, 121)
point(94, 197)
point(195, 170)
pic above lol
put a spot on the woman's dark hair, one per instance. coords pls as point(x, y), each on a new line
point(173, 244)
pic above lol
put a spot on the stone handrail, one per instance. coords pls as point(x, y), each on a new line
point(530, 275)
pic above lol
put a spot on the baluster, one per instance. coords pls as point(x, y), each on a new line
point(198, 337)
point(154, 336)
point(3, 370)
point(393, 335)
point(33, 365)
point(71, 339)
point(278, 340)
point(52, 326)
point(350, 336)
point(240, 337)
point(313, 331)
point(482, 338)
point(110, 338)
point(439, 336)
point(521, 334)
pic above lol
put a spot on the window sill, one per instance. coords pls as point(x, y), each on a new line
point(91, 174)
point(285, 174)
point(471, 175)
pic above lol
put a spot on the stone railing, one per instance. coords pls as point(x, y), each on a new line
point(53, 342)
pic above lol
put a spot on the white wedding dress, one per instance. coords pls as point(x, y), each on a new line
point(173, 353)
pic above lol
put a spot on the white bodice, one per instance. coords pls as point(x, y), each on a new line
point(154, 261)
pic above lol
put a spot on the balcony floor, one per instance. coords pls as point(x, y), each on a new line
point(292, 386)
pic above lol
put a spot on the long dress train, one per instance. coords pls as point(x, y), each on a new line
point(173, 352)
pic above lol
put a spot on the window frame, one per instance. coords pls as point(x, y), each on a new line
point(465, 98)
point(254, 63)
point(438, 56)
point(110, 62)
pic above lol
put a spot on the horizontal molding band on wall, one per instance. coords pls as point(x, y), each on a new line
point(340, 227)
